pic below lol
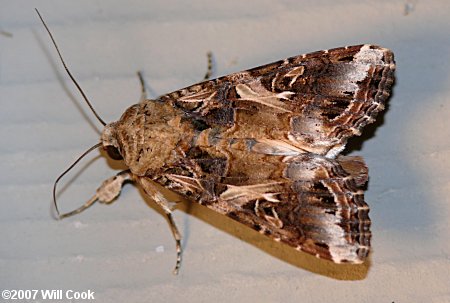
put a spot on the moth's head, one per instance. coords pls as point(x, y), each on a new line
point(110, 143)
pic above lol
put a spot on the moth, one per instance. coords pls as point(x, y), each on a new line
point(262, 146)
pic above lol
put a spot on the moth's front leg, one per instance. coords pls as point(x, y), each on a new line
point(209, 68)
point(106, 193)
point(167, 206)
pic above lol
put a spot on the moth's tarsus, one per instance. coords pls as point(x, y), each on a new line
point(179, 255)
point(144, 95)
point(85, 206)
point(68, 72)
point(209, 68)
point(62, 175)
point(177, 236)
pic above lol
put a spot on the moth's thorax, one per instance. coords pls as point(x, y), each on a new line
point(147, 136)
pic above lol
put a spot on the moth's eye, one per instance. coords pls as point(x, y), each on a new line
point(113, 152)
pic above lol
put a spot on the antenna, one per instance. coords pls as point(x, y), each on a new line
point(68, 72)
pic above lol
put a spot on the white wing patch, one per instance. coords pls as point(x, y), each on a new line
point(261, 95)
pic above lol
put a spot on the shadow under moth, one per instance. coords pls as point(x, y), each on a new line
point(262, 147)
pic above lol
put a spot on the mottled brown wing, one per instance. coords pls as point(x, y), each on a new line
point(310, 202)
point(320, 210)
point(314, 101)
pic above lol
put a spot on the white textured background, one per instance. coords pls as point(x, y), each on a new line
point(125, 252)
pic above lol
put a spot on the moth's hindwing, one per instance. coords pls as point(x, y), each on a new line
point(262, 146)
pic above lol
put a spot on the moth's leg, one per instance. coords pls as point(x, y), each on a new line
point(106, 193)
point(209, 69)
point(167, 206)
point(144, 94)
